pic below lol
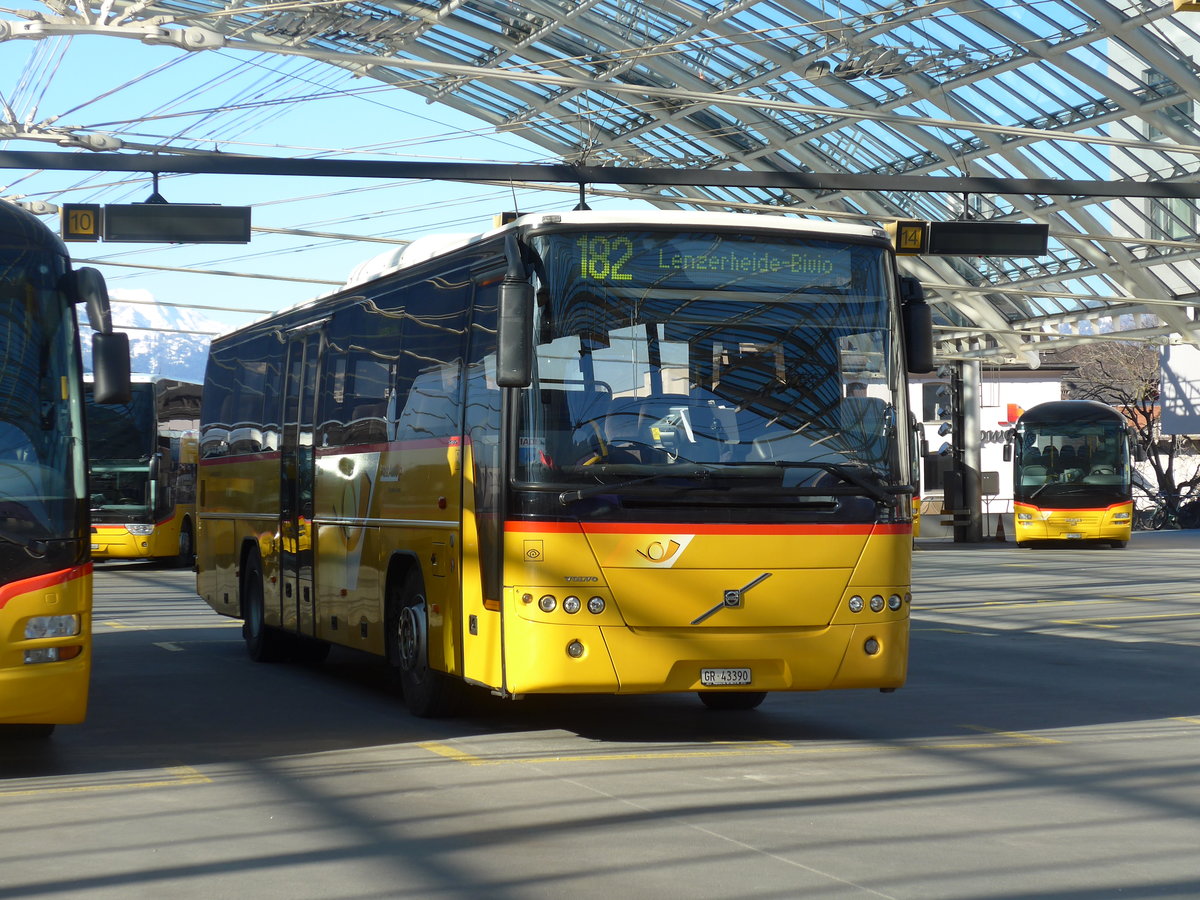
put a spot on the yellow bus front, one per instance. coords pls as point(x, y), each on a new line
point(135, 540)
point(1108, 523)
point(45, 654)
point(654, 608)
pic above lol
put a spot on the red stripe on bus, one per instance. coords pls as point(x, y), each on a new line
point(524, 527)
point(42, 582)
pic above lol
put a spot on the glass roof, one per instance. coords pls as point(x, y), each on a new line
point(1090, 90)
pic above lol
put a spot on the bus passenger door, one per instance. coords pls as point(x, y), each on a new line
point(296, 474)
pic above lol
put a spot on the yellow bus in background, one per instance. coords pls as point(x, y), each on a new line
point(142, 459)
point(46, 580)
point(1072, 474)
point(581, 453)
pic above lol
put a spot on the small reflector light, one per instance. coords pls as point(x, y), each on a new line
point(894, 602)
point(574, 649)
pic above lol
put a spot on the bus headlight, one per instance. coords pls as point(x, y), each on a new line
point(596, 605)
point(140, 530)
point(877, 603)
point(571, 605)
point(1024, 517)
point(1121, 517)
point(894, 602)
point(855, 603)
point(51, 627)
point(547, 603)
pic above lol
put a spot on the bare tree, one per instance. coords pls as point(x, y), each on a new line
point(1125, 376)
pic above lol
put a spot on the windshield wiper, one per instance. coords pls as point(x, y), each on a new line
point(692, 471)
point(871, 483)
point(35, 548)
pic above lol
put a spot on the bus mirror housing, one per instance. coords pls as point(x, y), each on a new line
point(917, 323)
point(1139, 452)
point(514, 340)
point(110, 368)
point(1008, 454)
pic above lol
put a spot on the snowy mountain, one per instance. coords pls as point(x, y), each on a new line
point(163, 340)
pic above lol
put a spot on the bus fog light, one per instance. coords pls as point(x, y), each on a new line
point(877, 603)
point(894, 602)
point(547, 603)
point(571, 605)
point(871, 646)
point(574, 649)
point(51, 626)
point(142, 530)
point(855, 603)
point(596, 605)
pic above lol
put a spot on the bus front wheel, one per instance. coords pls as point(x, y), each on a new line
point(732, 700)
point(427, 692)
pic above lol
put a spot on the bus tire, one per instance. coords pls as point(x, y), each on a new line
point(187, 546)
point(428, 694)
point(732, 700)
point(263, 643)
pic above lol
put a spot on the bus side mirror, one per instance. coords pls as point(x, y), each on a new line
point(514, 340)
point(110, 368)
point(917, 322)
point(1008, 454)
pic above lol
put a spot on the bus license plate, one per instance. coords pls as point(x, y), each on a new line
point(1073, 536)
point(721, 677)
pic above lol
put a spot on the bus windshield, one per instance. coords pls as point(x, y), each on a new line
point(1079, 463)
point(41, 477)
point(756, 359)
point(121, 440)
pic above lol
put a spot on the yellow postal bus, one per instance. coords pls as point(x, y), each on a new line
point(581, 453)
point(142, 471)
point(45, 571)
point(1072, 474)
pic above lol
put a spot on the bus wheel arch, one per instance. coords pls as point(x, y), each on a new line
point(427, 692)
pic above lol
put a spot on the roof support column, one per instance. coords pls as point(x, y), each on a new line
point(971, 436)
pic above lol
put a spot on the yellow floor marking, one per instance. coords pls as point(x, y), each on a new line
point(1015, 740)
point(1021, 604)
point(1016, 735)
point(1095, 623)
point(183, 775)
point(1187, 719)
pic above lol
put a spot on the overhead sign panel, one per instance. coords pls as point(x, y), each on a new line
point(967, 237)
point(81, 221)
point(910, 237)
point(176, 223)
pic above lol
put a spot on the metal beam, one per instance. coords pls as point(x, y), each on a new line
point(220, 164)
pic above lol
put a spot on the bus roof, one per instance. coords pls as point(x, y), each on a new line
point(1055, 411)
point(23, 230)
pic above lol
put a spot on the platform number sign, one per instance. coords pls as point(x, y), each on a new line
point(82, 221)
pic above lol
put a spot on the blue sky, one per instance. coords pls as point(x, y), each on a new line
point(156, 95)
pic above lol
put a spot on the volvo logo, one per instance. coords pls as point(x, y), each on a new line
point(734, 598)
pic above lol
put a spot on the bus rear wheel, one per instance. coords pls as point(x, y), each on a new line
point(732, 700)
point(263, 643)
point(428, 693)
